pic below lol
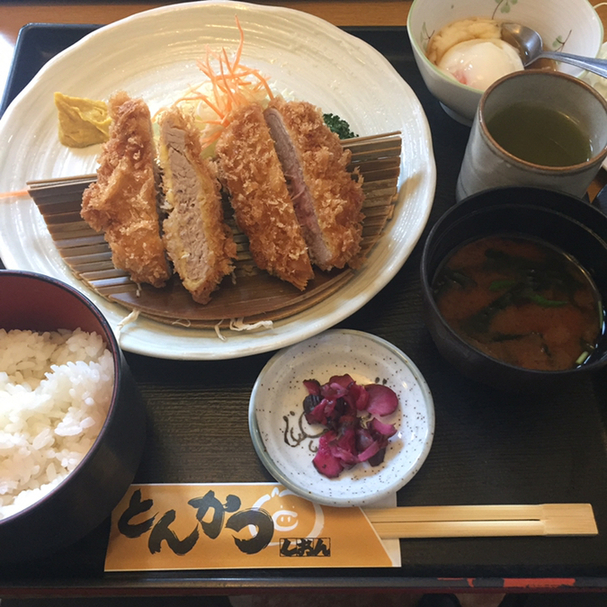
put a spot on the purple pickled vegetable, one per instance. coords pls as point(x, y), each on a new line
point(382, 400)
point(313, 386)
point(340, 406)
point(342, 381)
point(378, 458)
point(369, 452)
point(387, 430)
point(324, 461)
point(316, 414)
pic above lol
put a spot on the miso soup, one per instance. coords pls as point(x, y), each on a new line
point(521, 301)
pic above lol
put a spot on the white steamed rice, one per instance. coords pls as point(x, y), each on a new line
point(55, 391)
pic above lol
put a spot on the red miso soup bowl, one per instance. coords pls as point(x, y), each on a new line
point(567, 224)
point(49, 511)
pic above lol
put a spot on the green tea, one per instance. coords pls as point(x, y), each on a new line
point(540, 135)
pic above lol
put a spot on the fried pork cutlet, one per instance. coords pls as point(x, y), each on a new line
point(122, 203)
point(258, 191)
point(327, 200)
point(198, 241)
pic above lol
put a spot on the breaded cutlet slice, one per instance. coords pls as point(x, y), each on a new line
point(328, 200)
point(198, 241)
point(263, 209)
point(122, 203)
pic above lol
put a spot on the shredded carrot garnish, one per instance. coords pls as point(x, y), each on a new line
point(232, 85)
point(241, 45)
point(15, 194)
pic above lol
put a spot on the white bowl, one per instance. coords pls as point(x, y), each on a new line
point(598, 82)
point(571, 26)
point(276, 407)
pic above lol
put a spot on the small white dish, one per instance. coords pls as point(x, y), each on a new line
point(284, 440)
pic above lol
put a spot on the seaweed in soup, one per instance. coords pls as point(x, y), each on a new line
point(521, 301)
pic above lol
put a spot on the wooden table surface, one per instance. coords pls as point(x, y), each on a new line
point(16, 14)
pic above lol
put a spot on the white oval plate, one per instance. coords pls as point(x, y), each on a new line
point(153, 55)
point(276, 408)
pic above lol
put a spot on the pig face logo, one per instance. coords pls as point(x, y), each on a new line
point(292, 515)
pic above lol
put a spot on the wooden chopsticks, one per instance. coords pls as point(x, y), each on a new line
point(483, 521)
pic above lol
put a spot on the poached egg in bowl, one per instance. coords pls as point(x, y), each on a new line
point(479, 63)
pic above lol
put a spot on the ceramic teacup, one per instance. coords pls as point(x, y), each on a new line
point(535, 128)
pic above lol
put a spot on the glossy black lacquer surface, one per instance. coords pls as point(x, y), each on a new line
point(489, 446)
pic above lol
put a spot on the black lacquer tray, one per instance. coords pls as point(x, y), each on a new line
point(489, 447)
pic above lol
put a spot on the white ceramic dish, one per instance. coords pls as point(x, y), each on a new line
point(598, 82)
point(571, 26)
point(276, 406)
point(153, 54)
